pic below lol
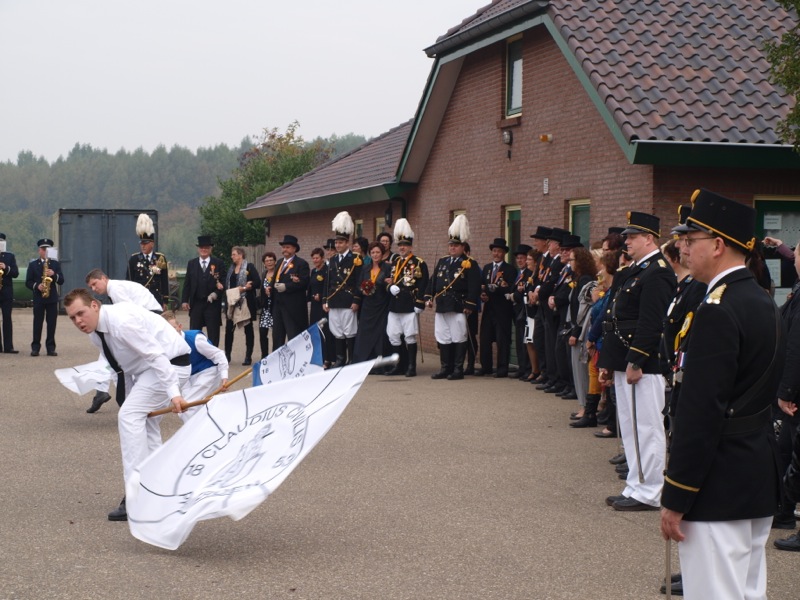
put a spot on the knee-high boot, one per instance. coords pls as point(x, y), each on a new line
point(459, 353)
point(398, 368)
point(412, 360)
point(446, 361)
point(341, 350)
point(589, 418)
point(351, 344)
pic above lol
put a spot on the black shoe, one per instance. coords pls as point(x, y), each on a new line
point(584, 421)
point(442, 374)
point(570, 395)
point(574, 417)
point(621, 467)
point(469, 371)
point(501, 374)
point(603, 434)
point(676, 585)
point(611, 499)
point(544, 385)
point(540, 378)
point(631, 504)
point(52, 353)
point(554, 389)
point(34, 353)
point(483, 372)
point(247, 362)
point(99, 399)
point(12, 351)
point(779, 522)
point(623, 476)
point(120, 513)
point(456, 375)
point(618, 459)
point(792, 543)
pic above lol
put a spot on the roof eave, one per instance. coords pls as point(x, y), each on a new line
point(714, 154)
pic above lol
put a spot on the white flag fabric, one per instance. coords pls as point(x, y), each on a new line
point(235, 452)
point(85, 378)
point(298, 357)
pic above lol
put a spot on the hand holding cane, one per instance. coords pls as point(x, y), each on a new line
point(220, 389)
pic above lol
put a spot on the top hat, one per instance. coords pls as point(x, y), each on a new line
point(541, 233)
point(615, 230)
point(499, 243)
point(639, 222)
point(2, 236)
point(290, 240)
point(522, 249)
point(571, 241)
point(723, 217)
point(684, 211)
point(557, 234)
point(45, 243)
point(330, 244)
point(204, 240)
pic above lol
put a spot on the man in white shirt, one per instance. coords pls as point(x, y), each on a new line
point(154, 359)
point(117, 291)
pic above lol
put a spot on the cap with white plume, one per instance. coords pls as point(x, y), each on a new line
point(403, 233)
point(459, 230)
point(145, 228)
point(343, 225)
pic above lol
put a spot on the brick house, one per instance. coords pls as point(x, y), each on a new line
point(569, 113)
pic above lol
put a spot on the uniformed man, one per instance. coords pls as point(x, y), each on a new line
point(330, 249)
point(340, 302)
point(290, 285)
point(542, 264)
point(406, 287)
point(8, 272)
point(204, 289)
point(633, 324)
point(147, 266)
point(552, 384)
point(722, 484)
point(454, 287)
point(520, 300)
point(43, 278)
point(497, 283)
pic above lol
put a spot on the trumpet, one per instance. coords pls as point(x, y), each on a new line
point(47, 281)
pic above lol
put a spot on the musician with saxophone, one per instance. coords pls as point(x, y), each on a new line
point(8, 272)
point(43, 278)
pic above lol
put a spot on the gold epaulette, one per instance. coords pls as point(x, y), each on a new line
point(661, 263)
point(716, 295)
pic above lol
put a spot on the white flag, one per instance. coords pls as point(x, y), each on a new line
point(85, 378)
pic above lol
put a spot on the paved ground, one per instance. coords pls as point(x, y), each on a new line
point(424, 489)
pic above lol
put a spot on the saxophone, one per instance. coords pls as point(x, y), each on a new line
point(2, 273)
point(46, 281)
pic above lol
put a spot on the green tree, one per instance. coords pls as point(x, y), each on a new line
point(784, 56)
point(276, 159)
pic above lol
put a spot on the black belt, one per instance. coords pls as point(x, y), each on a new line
point(749, 424)
point(181, 361)
point(619, 326)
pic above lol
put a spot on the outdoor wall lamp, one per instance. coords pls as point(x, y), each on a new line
point(546, 138)
point(508, 137)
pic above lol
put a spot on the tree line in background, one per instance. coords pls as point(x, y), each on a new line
point(192, 192)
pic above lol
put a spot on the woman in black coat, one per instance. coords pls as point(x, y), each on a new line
point(371, 339)
point(317, 282)
point(244, 277)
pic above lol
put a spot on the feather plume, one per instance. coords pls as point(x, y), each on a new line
point(459, 230)
point(144, 226)
point(343, 223)
point(402, 230)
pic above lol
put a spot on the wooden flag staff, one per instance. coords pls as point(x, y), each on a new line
point(222, 388)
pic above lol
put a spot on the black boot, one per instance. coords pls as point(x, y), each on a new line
point(589, 418)
point(412, 360)
point(350, 343)
point(341, 350)
point(99, 399)
point(459, 352)
point(446, 360)
point(398, 368)
point(120, 513)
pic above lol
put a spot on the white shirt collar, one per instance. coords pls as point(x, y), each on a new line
point(723, 274)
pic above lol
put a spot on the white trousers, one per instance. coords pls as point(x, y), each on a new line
point(398, 324)
point(198, 387)
point(450, 327)
point(652, 440)
point(138, 435)
point(724, 560)
point(343, 323)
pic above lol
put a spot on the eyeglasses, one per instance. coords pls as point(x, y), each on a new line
point(689, 241)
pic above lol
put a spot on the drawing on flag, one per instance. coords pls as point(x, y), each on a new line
point(300, 356)
point(236, 451)
point(85, 378)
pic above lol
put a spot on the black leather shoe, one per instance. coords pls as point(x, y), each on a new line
point(618, 459)
point(792, 543)
point(53, 353)
point(676, 585)
point(483, 372)
point(605, 434)
point(469, 371)
point(540, 378)
point(611, 499)
point(623, 476)
point(12, 351)
point(554, 389)
point(621, 467)
point(570, 395)
point(34, 353)
point(544, 385)
point(631, 504)
point(501, 374)
point(120, 513)
point(247, 362)
point(99, 399)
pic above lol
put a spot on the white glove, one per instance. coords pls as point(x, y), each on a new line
point(417, 310)
point(394, 289)
point(212, 296)
point(510, 297)
point(280, 287)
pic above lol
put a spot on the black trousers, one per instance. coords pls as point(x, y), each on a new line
point(538, 340)
point(206, 314)
point(495, 328)
point(40, 313)
point(249, 336)
point(8, 330)
point(550, 334)
point(285, 326)
point(523, 361)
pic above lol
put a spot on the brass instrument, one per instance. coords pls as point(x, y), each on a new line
point(46, 280)
point(2, 273)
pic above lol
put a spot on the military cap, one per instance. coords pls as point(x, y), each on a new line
point(723, 217)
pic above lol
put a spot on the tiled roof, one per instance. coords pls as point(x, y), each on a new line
point(372, 164)
point(683, 70)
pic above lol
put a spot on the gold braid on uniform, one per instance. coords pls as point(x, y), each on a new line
point(341, 285)
point(447, 287)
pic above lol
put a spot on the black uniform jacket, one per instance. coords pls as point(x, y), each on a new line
point(343, 278)
point(295, 276)
point(634, 318)
point(34, 277)
point(11, 271)
point(198, 285)
point(519, 296)
point(790, 380)
point(410, 274)
point(716, 473)
point(455, 287)
point(504, 284)
point(549, 280)
point(688, 295)
point(152, 274)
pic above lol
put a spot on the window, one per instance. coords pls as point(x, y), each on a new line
point(380, 226)
point(579, 220)
point(513, 229)
point(359, 223)
point(514, 77)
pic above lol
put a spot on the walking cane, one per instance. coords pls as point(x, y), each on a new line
point(419, 341)
point(636, 434)
point(185, 405)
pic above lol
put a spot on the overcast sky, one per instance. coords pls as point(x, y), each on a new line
point(128, 74)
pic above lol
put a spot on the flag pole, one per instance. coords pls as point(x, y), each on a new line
point(222, 388)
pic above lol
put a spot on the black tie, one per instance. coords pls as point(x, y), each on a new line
point(205, 266)
point(114, 365)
